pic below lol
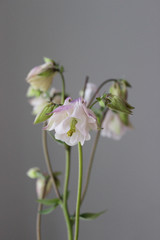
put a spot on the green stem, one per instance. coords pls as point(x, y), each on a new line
point(95, 144)
point(65, 193)
point(79, 191)
point(48, 163)
point(98, 89)
point(63, 87)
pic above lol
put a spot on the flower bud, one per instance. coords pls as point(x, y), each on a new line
point(43, 187)
point(41, 76)
point(33, 172)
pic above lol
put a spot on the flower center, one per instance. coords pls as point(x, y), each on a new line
point(72, 127)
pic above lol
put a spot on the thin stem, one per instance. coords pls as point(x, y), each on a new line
point(98, 89)
point(95, 144)
point(85, 85)
point(65, 193)
point(48, 163)
point(63, 87)
point(39, 216)
point(79, 191)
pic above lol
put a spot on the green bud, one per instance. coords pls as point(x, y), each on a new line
point(118, 104)
point(115, 89)
point(34, 172)
point(45, 113)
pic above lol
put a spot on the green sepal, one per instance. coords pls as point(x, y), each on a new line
point(48, 210)
point(124, 118)
point(47, 73)
point(98, 113)
point(118, 104)
point(48, 60)
point(48, 202)
point(31, 92)
point(53, 137)
point(90, 216)
point(45, 113)
point(125, 82)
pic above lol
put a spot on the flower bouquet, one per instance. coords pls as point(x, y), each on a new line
point(69, 122)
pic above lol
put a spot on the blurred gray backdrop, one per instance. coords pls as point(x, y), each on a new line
point(102, 39)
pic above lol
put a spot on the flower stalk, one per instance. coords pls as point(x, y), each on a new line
point(79, 191)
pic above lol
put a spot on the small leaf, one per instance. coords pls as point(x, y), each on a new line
point(47, 210)
point(90, 216)
point(45, 113)
point(54, 201)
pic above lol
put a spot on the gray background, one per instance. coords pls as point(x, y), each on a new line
point(105, 38)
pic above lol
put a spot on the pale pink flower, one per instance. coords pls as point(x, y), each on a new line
point(41, 77)
point(72, 122)
point(113, 127)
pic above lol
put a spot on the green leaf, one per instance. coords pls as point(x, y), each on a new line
point(47, 210)
point(45, 113)
point(90, 216)
point(54, 201)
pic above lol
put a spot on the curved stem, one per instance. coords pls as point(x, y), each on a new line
point(79, 191)
point(65, 193)
point(48, 164)
point(95, 144)
point(98, 89)
point(63, 87)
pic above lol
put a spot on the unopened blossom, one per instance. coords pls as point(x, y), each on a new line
point(41, 77)
point(72, 122)
point(91, 88)
point(113, 127)
point(43, 187)
point(33, 172)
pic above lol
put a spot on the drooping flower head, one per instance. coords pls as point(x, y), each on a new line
point(41, 77)
point(72, 122)
point(116, 121)
point(113, 127)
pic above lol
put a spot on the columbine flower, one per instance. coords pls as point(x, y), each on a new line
point(113, 127)
point(91, 88)
point(41, 77)
point(72, 122)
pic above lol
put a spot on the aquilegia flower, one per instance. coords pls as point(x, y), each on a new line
point(72, 122)
point(41, 77)
point(113, 127)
